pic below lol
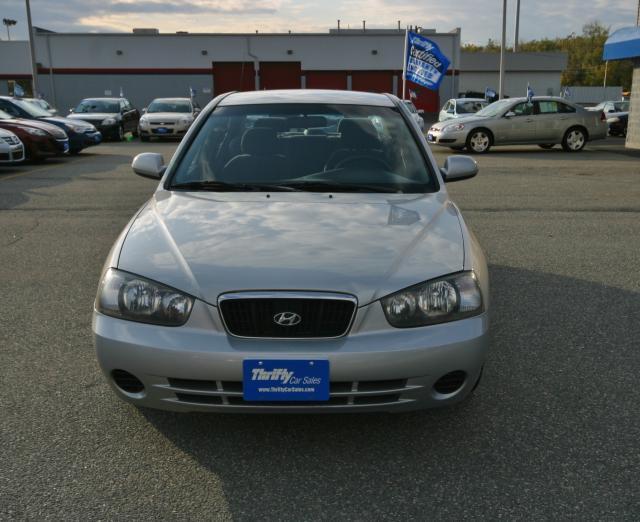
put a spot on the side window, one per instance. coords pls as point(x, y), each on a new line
point(123, 106)
point(523, 109)
point(452, 109)
point(446, 106)
point(548, 107)
point(565, 109)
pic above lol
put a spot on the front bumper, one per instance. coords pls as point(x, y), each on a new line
point(13, 153)
point(198, 367)
point(82, 140)
point(166, 131)
point(447, 138)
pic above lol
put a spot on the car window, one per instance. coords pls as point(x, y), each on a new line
point(565, 108)
point(547, 107)
point(446, 106)
point(97, 106)
point(523, 109)
point(123, 106)
point(170, 106)
point(622, 106)
point(364, 147)
point(470, 107)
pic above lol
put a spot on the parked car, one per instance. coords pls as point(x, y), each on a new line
point(618, 123)
point(167, 118)
point(43, 104)
point(80, 134)
point(544, 120)
point(11, 148)
point(41, 140)
point(415, 113)
point(461, 107)
point(113, 117)
point(304, 272)
point(611, 106)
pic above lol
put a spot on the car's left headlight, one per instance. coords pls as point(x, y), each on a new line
point(144, 123)
point(35, 132)
point(441, 300)
point(109, 121)
point(134, 298)
point(454, 127)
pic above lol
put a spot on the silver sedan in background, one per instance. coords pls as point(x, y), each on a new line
point(167, 118)
point(545, 121)
point(461, 108)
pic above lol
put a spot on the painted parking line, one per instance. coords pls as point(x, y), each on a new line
point(41, 169)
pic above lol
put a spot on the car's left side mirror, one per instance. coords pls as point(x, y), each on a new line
point(149, 165)
point(457, 168)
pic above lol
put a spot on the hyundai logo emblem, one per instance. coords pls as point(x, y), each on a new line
point(287, 319)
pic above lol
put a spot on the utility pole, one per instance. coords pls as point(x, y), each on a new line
point(517, 29)
point(32, 50)
point(501, 92)
point(8, 22)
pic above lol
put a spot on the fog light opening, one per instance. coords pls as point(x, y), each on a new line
point(127, 382)
point(450, 382)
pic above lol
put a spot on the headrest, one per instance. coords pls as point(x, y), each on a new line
point(358, 133)
point(259, 142)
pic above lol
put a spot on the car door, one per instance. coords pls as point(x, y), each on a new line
point(517, 125)
point(550, 123)
point(444, 114)
point(134, 114)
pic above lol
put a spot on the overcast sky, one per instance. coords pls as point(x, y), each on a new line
point(479, 19)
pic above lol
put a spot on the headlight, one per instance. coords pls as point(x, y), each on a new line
point(455, 126)
point(613, 120)
point(35, 132)
point(185, 121)
point(135, 298)
point(109, 121)
point(76, 128)
point(437, 301)
point(144, 122)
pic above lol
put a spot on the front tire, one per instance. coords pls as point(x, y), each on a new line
point(144, 138)
point(120, 136)
point(479, 141)
point(574, 139)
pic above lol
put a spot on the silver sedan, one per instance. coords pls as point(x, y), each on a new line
point(300, 254)
point(545, 121)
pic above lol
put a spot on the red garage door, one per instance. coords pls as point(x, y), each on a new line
point(279, 75)
point(427, 100)
point(372, 81)
point(326, 79)
point(233, 76)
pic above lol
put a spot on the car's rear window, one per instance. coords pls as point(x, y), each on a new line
point(355, 145)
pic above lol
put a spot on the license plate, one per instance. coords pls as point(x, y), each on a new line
point(162, 130)
point(65, 148)
point(285, 380)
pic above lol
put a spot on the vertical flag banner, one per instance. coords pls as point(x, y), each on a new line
point(121, 93)
point(192, 92)
point(530, 93)
point(489, 94)
point(18, 91)
point(424, 63)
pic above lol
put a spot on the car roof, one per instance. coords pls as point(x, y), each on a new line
point(171, 99)
point(308, 96)
point(98, 98)
point(469, 99)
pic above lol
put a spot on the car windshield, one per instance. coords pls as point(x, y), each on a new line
point(39, 103)
point(622, 106)
point(315, 147)
point(470, 107)
point(88, 106)
point(169, 106)
point(31, 109)
point(496, 108)
point(411, 107)
point(5, 115)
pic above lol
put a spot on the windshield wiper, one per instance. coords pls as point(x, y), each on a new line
point(223, 186)
point(330, 186)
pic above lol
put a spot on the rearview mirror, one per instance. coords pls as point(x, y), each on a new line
point(510, 114)
point(149, 165)
point(457, 168)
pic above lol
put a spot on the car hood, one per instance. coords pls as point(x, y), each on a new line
point(58, 120)
point(368, 245)
point(54, 130)
point(93, 117)
point(166, 116)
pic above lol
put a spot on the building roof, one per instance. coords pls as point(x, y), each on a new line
point(622, 44)
point(530, 62)
point(308, 96)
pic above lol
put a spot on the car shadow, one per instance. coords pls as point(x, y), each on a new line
point(556, 400)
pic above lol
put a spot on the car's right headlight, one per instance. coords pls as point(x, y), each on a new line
point(441, 300)
point(109, 121)
point(134, 298)
point(36, 132)
point(144, 122)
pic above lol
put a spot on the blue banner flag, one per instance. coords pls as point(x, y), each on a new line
point(192, 92)
point(530, 93)
point(18, 91)
point(489, 94)
point(424, 62)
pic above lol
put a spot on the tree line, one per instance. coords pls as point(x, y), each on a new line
point(585, 66)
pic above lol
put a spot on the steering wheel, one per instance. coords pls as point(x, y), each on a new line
point(363, 158)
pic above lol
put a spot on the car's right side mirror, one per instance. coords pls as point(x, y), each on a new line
point(510, 114)
point(149, 165)
point(457, 168)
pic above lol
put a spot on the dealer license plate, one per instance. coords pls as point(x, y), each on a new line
point(285, 380)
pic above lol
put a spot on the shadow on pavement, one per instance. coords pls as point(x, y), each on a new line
point(550, 432)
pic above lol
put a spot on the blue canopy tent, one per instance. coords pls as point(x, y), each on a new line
point(624, 44)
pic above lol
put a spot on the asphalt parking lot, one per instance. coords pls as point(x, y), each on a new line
point(552, 432)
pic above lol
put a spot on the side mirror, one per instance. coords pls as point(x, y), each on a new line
point(149, 165)
point(71, 110)
point(144, 110)
point(420, 111)
point(197, 110)
point(457, 168)
point(510, 114)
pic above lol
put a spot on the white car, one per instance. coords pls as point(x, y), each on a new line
point(415, 113)
point(11, 148)
point(461, 107)
point(167, 118)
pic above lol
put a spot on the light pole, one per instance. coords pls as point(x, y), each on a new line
point(502, 48)
point(8, 22)
point(32, 50)
point(517, 29)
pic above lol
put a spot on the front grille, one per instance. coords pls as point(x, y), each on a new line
point(319, 317)
point(341, 393)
